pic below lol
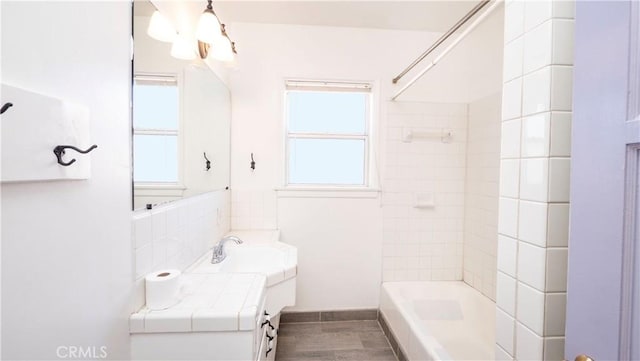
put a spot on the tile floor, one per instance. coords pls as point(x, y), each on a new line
point(333, 341)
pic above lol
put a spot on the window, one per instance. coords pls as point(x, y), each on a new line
point(327, 133)
point(155, 130)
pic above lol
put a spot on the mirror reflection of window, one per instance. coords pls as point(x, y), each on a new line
point(155, 129)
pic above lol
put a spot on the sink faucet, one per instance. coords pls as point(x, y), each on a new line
point(218, 250)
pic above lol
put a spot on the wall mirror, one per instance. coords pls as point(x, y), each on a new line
point(181, 121)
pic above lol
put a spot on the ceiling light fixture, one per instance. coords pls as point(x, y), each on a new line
point(160, 28)
point(209, 29)
point(182, 48)
point(225, 49)
point(212, 37)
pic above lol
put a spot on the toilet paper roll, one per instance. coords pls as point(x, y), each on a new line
point(162, 289)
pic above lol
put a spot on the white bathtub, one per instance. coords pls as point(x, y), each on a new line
point(440, 320)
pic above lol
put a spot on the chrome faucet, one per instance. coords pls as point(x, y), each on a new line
point(218, 250)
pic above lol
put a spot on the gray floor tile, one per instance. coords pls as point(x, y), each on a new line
point(333, 341)
point(365, 355)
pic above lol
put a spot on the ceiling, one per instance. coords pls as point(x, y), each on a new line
point(435, 16)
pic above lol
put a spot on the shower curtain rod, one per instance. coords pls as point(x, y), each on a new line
point(444, 37)
point(449, 47)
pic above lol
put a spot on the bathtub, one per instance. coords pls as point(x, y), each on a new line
point(439, 320)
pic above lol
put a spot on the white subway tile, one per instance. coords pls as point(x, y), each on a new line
point(562, 47)
point(513, 20)
point(555, 314)
point(537, 47)
point(559, 172)
point(531, 265)
point(508, 217)
point(536, 12)
point(558, 225)
point(505, 328)
point(531, 308)
point(159, 253)
point(509, 178)
point(560, 145)
point(536, 92)
point(144, 260)
point(506, 293)
point(553, 348)
point(143, 230)
point(512, 99)
point(556, 277)
point(512, 67)
point(564, 9)
point(159, 224)
point(507, 255)
point(561, 87)
point(510, 140)
point(534, 179)
point(529, 345)
point(532, 223)
point(501, 354)
point(536, 135)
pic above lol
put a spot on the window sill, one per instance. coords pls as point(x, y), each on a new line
point(151, 190)
point(327, 192)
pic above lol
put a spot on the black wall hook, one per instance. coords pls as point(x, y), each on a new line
point(59, 151)
point(5, 107)
point(253, 163)
point(208, 165)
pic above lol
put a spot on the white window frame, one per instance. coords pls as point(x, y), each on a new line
point(170, 189)
point(319, 86)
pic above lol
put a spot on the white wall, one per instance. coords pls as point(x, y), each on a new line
point(423, 244)
point(481, 194)
point(66, 245)
point(339, 240)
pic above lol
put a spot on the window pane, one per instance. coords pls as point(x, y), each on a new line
point(155, 106)
point(326, 161)
point(155, 158)
point(333, 113)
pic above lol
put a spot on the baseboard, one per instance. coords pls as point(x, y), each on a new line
point(328, 316)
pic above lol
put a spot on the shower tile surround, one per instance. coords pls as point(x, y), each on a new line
point(421, 244)
point(176, 234)
point(534, 180)
point(481, 195)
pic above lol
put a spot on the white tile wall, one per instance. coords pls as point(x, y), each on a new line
point(543, 29)
point(505, 329)
point(529, 344)
point(506, 293)
point(424, 244)
point(174, 235)
point(481, 196)
point(254, 209)
point(531, 308)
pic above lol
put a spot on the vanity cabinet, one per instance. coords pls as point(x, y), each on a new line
point(222, 317)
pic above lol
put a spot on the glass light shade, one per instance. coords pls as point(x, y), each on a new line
point(160, 28)
point(183, 48)
point(208, 30)
point(222, 50)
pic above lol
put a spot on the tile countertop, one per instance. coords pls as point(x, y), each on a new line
point(210, 302)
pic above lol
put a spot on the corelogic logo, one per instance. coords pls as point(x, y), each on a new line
point(81, 352)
